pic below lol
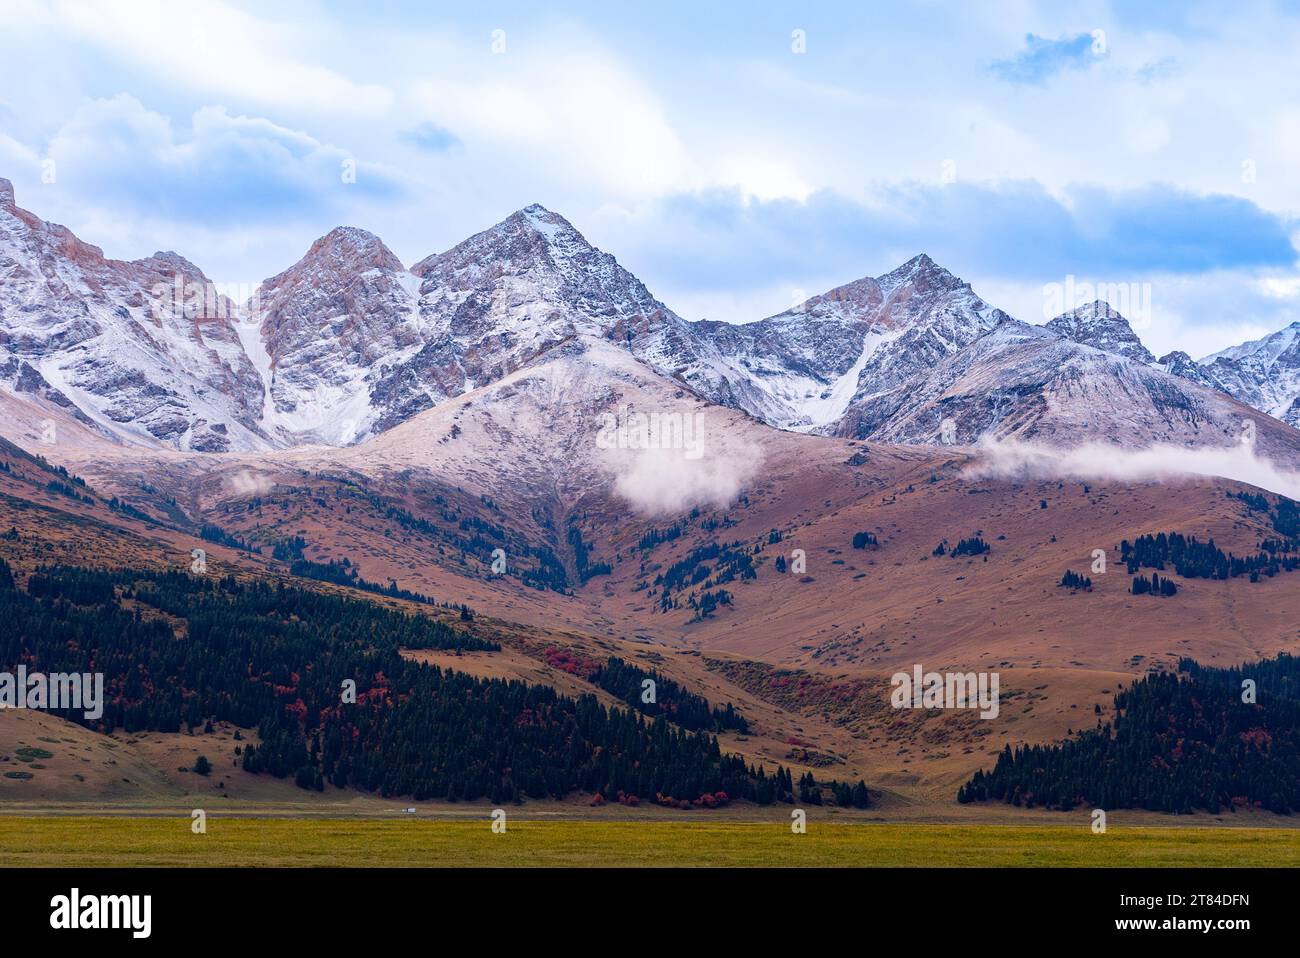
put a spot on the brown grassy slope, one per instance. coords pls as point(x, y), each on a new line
point(857, 616)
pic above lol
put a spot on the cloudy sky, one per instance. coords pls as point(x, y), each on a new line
point(737, 157)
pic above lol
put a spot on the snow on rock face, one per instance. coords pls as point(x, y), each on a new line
point(1027, 382)
point(805, 368)
point(549, 434)
point(120, 341)
point(534, 279)
point(1101, 327)
point(346, 344)
point(505, 297)
point(331, 325)
point(1264, 373)
point(358, 345)
point(342, 345)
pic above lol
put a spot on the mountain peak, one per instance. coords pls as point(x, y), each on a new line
point(1179, 363)
point(1097, 311)
point(533, 227)
point(920, 271)
point(540, 220)
point(1269, 347)
point(350, 236)
point(353, 248)
point(1098, 325)
point(173, 261)
point(6, 192)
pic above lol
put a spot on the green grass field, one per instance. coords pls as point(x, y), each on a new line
point(93, 842)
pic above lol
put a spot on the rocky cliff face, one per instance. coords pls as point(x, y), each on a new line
point(505, 297)
point(1027, 382)
point(1101, 327)
point(805, 368)
point(357, 344)
point(331, 326)
point(347, 343)
point(144, 349)
point(1264, 373)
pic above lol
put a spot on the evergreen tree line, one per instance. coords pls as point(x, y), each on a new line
point(345, 573)
point(844, 794)
point(728, 562)
point(656, 536)
point(1073, 580)
point(973, 546)
point(549, 572)
point(245, 645)
point(1180, 742)
point(277, 658)
point(708, 602)
point(340, 572)
point(587, 569)
point(625, 682)
point(63, 489)
point(1193, 559)
point(211, 532)
point(1285, 517)
point(1153, 586)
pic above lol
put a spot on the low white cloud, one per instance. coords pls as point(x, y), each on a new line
point(246, 482)
point(671, 481)
point(1010, 459)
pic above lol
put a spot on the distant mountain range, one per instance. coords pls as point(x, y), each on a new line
point(348, 343)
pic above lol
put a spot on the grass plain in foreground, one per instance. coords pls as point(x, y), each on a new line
point(168, 842)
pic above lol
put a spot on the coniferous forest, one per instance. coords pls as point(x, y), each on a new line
point(1198, 739)
point(626, 682)
point(1193, 559)
point(178, 651)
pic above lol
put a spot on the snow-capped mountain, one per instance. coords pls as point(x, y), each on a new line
point(331, 327)
point(1096, 324)
point(505, 297)
point(1264, 373)
point(1029, 382)
point(347, 343)
point(805, 368)
point(557, 426)
point(356, 344)
point(344, 344)
point(145, 349)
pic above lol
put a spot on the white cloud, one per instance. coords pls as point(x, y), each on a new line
point(217, 48)
point(709, 471)
point(122, 156)
point(1010, 459)
point(580, 115)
